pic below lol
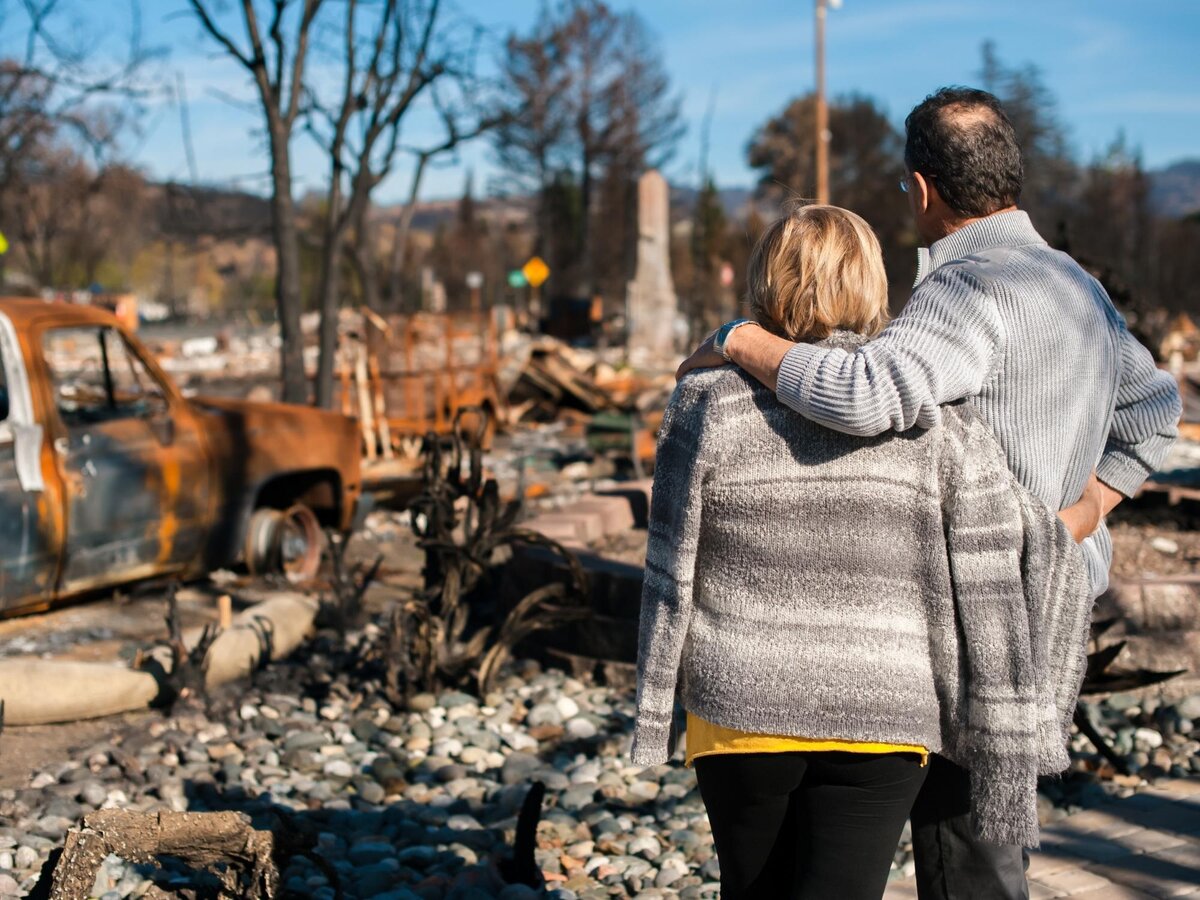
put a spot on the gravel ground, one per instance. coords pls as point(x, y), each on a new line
point(419, 802)
point(1153, 538)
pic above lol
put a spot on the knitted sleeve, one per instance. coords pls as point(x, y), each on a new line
point(997, 741)
point(1144, 422)
point(943, 347)
point(684, 459)
point(1058, 596)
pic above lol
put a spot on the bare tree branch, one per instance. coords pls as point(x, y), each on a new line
point(275, 31)
point(217, 34)
point(298, 59)
point(382, 84)
point(241, 103)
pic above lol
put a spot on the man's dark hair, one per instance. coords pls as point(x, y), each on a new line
point(961, 138)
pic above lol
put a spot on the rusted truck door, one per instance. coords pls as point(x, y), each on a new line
point(29, 550)
point(131, 458)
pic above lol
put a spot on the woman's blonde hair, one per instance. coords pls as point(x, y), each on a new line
point(816, 270)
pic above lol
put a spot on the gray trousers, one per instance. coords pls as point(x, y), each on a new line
point(952, 864)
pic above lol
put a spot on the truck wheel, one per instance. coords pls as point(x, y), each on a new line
point(301, 542)
point(262, 541)
point(287, 541)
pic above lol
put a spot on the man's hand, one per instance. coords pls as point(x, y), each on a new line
point(705, 357)
point(1083, 517)
point(751, 347)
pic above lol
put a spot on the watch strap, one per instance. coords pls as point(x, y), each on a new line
point(723, 333)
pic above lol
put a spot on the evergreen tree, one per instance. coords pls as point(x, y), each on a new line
point(1050, 172)
point(866, 161)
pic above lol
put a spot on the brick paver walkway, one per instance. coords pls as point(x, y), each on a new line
point(1145, 846)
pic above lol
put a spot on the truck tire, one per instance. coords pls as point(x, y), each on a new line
point(287, 542)
point(262, 541)
point(301, 543)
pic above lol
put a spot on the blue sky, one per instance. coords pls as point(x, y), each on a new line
point(1111, 64)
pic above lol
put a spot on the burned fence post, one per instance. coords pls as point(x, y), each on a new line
point(521, 867)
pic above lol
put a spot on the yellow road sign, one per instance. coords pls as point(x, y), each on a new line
point(536, 271)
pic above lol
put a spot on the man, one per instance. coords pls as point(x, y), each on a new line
point(1033, 341)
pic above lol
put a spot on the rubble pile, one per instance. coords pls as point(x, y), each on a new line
point(1153, 544)
point(245, 358)
point(404, 376)
point(556, 377)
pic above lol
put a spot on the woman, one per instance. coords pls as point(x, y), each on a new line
point(834, 608)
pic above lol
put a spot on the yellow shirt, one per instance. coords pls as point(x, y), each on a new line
point(706, 739)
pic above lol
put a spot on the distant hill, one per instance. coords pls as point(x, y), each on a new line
point(518, 210)
point(1175, 190)
point(212, 210)
point(734, 201)
point(430, 214)
point(186, 211)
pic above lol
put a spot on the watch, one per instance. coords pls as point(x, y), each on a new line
point(723, 333)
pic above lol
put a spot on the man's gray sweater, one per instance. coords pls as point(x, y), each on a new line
point(900, 588)
point(1034, 343)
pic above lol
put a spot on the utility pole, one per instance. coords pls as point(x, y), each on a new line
point(170, 291)
point(822, 108)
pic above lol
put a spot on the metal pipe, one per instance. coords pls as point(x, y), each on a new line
point(40, 691)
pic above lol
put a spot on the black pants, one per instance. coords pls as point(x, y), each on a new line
point(815, 826)
point(953, 864)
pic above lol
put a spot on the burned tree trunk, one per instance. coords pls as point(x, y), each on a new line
point(275, 61)
point(289, 299)
point(223, 844)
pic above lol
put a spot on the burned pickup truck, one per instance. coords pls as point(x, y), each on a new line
point(109, 475)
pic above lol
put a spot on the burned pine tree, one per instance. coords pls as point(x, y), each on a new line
point(589, 107)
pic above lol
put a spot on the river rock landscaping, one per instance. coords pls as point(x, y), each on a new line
point(421, 802)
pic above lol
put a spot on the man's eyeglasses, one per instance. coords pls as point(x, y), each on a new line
point(904, 185)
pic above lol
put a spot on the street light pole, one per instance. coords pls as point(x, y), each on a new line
point(822, 109)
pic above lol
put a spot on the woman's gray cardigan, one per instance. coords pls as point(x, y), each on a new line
point(903, 588)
